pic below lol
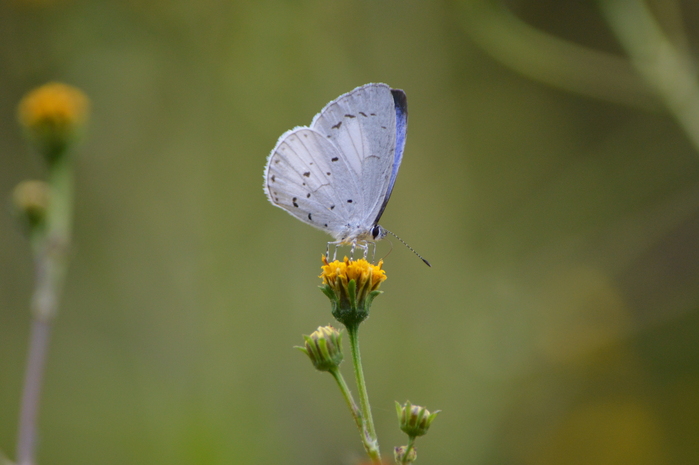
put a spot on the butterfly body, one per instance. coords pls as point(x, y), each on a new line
point(338, 173)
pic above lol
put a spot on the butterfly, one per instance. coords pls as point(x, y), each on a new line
point(338, 174)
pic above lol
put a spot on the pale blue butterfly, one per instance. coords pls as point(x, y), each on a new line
point(338, 174)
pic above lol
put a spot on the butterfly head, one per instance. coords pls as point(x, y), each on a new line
point(378, 233)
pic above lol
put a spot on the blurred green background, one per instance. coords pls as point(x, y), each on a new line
point(556, 198)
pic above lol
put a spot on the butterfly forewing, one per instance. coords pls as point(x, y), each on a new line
point(362, 125)
point(401, 108)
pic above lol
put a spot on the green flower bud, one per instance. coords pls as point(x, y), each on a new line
point(30, 200)
point(414, 420)
point(324, 348)
point(399, 454)
point(351, 286)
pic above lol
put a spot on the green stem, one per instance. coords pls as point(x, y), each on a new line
point(51, 260)
point(667, 68)
point(356, 413)
point(51, 248)
point(551, 59)
point(411, 445)
point(369, 432)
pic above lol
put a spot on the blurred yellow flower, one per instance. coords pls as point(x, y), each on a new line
point(53, 115)
point(54, 104)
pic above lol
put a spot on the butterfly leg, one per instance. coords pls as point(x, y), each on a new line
point(335, 244)
point(373, 250)
point(363, 245)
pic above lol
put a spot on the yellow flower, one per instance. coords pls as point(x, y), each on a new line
point(53, 115)
point(339, 273)
point(351, 286)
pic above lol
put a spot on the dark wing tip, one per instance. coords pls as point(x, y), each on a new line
point(400, 100)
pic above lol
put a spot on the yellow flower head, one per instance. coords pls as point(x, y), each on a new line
point(351, 286)
point(53, 114)
point(339, 273)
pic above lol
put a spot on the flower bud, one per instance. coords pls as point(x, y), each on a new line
point(400, 457)
point(53, 116)
point(324, 348)
point(30, 200)
point(414, 420)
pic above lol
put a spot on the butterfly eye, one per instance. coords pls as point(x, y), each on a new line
point(376, 232)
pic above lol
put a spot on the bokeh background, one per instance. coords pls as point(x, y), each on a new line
point(549, 182)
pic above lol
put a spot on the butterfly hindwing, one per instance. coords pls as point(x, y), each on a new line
point(305, 173)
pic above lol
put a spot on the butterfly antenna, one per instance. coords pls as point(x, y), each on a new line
point(410, 248)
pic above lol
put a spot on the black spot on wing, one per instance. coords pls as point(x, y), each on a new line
point(334, 159)
point(307, 174)
point(293, 201)
point(350, 116)
point(349, 200)
point(310, 217)
point(337, 126)
point(308, 196)
point(363, 114)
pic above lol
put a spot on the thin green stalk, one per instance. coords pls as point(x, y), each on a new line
point(411, 445)
point(347, 394)
point(368, 421)
point(51, 260)
point(551, 59)
point(668, 70)
point(369, 445)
